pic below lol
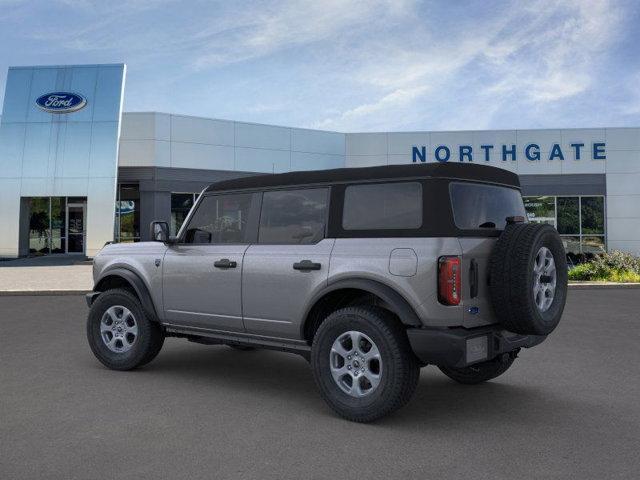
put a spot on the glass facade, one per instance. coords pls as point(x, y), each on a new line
point(580, 220)
point(57, 225)
point(127, 225)
point(181, 203)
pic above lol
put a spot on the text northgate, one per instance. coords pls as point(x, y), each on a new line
point(531, 152)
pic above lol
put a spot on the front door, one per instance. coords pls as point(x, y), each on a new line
point(202, 273)
point(76, 233)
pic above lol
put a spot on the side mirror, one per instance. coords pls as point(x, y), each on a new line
point(159, 231)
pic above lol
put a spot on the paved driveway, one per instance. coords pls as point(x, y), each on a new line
point(568, 409)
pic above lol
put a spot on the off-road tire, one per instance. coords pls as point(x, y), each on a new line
point(149, 340)
point(511, 278)
point(480, 372)
point(400, 370)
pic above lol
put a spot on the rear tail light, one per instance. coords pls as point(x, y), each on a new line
point(449, 280)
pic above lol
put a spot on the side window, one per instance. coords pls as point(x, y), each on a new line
point(383, 206)
point(220, 219)
point(293, 216)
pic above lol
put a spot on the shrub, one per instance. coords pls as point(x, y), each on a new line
point(614, 266)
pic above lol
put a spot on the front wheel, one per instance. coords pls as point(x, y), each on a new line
point(363, 364)
point(121, 335)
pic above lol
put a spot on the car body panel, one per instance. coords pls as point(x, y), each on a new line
point(274, 294)
point(197, 293)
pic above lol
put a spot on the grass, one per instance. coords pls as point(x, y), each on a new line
point(586, 271)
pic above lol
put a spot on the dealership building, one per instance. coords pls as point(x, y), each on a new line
point(76, 171)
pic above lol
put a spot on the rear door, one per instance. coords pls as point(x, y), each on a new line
point(202, 275)
point(480, 211)
point(288, 264)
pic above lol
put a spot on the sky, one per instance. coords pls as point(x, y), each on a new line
point(351, 66)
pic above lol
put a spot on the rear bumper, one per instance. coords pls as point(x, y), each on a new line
point(459, 347)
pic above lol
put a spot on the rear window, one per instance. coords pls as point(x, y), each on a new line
point(477, 206)
point(383, 206)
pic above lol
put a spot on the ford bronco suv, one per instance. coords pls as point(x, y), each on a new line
point(369, 273)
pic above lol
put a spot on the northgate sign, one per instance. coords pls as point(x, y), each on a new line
point(531, 152)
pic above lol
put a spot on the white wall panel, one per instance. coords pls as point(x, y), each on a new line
point(198, 155)
point(623, 206)
point(623, 183)
point(623, 138)
point(201, 130)
point(262, 136)
point(139, 126)
point(315, 161)
point(623, 229)
point(623, 161)
point(262, 160)
point(366, 144)
point(139, 153)
point(631, 246)
point(9, 217)
point(355, 161)
point(313, 141)
point(400, 143)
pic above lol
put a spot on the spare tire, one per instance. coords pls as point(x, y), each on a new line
point(528, 278)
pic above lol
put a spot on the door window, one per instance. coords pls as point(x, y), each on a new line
point(220, 219)
point(293, 216)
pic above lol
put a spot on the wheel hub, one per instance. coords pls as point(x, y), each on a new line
point(118, 329)
point(355, 363)
point(544, 279)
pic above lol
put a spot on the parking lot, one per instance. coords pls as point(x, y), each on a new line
point(567, 409)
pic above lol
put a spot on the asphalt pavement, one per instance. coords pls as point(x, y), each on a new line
point(570, 408)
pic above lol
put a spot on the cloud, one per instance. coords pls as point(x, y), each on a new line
point(539, 54)
point(345, 65)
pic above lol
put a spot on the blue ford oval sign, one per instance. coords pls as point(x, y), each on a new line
point(61, 102)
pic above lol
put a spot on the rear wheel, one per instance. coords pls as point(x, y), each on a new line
point(480, 372)
point(363, 364)
point(120, 333)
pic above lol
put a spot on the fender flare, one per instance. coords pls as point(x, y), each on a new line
point(397, 303)
point(133, 279)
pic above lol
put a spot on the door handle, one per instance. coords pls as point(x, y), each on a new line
point(225, 263)
point(306, 265)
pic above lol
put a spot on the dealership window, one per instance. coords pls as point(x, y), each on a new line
point(127, 226)
point(580, 220)
point(181, 203)
point(56, 225)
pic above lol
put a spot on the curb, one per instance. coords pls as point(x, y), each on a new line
point(602, 286)
point(41, 293)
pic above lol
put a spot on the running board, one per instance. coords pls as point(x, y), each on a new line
point(209, 337)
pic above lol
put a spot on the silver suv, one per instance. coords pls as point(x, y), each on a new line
point(369, 273)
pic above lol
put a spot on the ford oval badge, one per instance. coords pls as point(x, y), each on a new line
point(61, 102)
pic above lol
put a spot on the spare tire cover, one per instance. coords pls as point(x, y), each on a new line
point(528, 278)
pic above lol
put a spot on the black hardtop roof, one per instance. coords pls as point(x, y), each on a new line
point(481, 173)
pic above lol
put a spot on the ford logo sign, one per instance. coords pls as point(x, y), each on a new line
point(61, 102)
